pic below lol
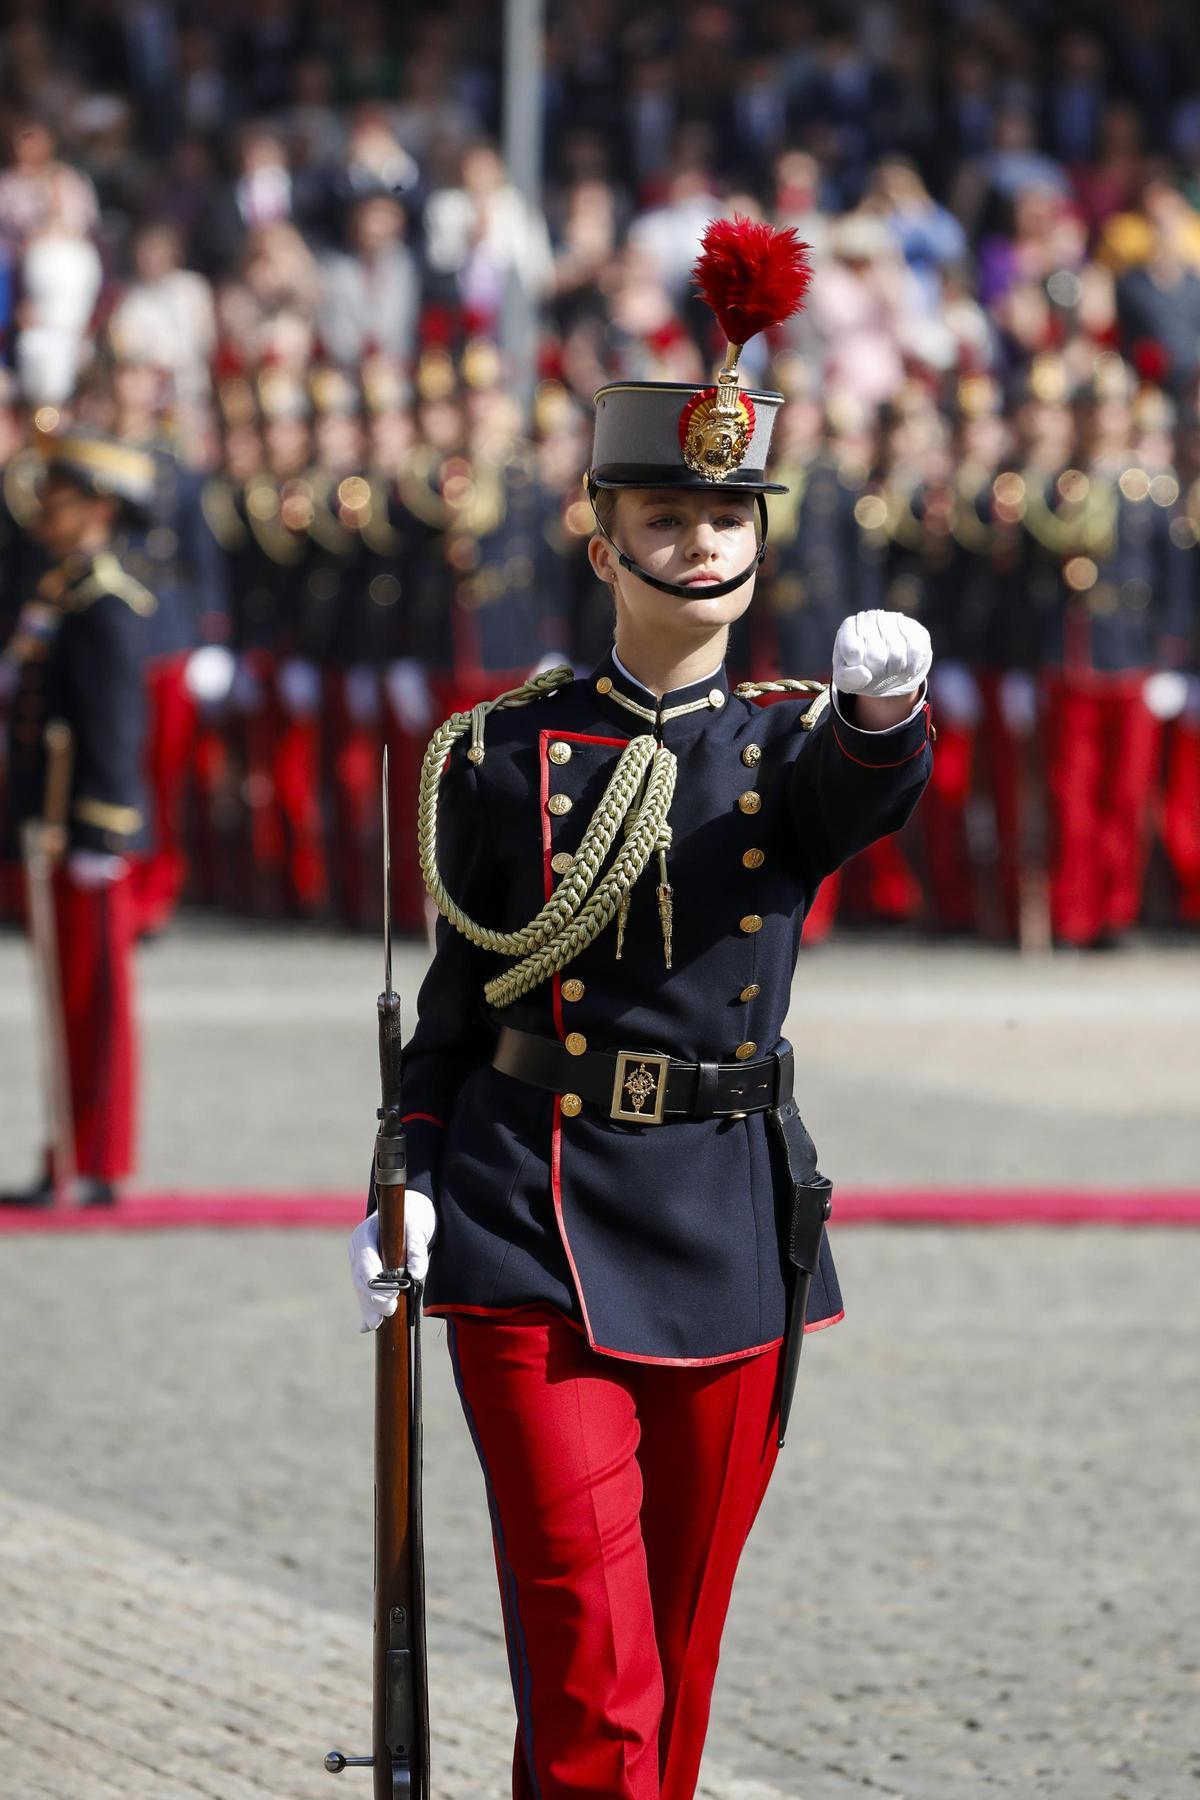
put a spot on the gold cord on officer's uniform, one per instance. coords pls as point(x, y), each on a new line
point(638, 796)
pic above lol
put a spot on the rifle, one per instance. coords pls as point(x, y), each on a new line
point(43, 844)
point(400, 1701)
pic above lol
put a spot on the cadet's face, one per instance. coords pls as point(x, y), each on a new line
point(68, 516)
point(694, 538)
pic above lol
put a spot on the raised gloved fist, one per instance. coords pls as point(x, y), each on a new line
point(420, 1226)
point(880, 653)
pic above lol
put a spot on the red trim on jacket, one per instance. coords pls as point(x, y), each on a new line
point(429, 1119)
point(900, 761)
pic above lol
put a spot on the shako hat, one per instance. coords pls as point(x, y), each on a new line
point(668, 434)
point(102, 465)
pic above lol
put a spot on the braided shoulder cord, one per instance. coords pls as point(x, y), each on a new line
point(568, 922)
point(747, 690)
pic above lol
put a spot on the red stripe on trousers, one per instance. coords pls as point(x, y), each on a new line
point(622, 1498)
point(97, 928)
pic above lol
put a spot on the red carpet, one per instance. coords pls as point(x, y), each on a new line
point(949, 1206)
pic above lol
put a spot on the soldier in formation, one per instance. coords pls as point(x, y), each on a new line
point(78, 806)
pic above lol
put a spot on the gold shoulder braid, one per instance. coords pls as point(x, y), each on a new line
point(638, 796)
point(748, 690)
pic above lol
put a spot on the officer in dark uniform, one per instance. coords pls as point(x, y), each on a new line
point(79, 652)
point(345, 531)
point(285, 635)
point(960, 610)
point(1122, 589)
point(175, 554)
point(602, 1129)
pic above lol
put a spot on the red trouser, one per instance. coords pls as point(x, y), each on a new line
point(944, 820)
point(621, 1496)
point(97, 928)
point(1102, 754)
point(159, 876)
point(1181, 815)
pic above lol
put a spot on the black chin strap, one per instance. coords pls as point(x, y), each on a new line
point(715, 589)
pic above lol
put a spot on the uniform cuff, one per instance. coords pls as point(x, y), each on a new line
point(885, 749)
point(837, 699)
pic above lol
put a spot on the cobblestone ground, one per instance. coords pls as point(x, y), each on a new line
point(974, 1572)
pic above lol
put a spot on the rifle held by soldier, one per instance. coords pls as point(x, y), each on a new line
point(399, 1756)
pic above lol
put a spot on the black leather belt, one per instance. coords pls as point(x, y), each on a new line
point(644, 1087)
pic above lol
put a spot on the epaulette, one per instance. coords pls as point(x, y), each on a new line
point(816, 691)
point(221, 515)
point(538, 687)
point(21, 487)
point(106, 576)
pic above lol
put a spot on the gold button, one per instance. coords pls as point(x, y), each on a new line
point(560, 753)
point(753, 859)
point(751, 991)
point(572, 1105)
point(749, 802)
point(751, 923)
point(561, 861)
point(572, 990)
point(604, 685)
point(745, 1051)
point(752, 754)
point(576, 1043)
point(475, 753)
point(715, 697)
point(560, 804)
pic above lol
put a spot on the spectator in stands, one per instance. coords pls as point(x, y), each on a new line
point(370, 294)
point(482, 233)
point(267, 311)
point(260, 193)
point(929, 237)
point(59, 278)
point(38, 190)
point(668, 236)
point(167, 313)
point(860, 310)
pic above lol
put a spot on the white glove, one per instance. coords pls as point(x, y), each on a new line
point(1018, 697)
point(92, 869)
point(299, 685)
point(361, 690)
point(1165, 693)
point(880, 653)
point(209, 674)
point(420, 1225)
point(956, 695)
point(408, 690)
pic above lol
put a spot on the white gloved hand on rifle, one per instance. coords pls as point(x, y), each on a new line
point(420, 1226)
point(880, 653)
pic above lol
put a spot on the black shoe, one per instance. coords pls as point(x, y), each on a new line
point(38, 1198)
point(93, 1192)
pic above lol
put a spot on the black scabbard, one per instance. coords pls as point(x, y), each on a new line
point(807, 1206)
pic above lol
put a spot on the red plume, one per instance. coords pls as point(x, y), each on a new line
point(751, 275)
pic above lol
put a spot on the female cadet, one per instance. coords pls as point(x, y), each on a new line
point(590, 1123)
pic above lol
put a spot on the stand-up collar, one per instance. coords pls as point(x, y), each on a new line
point(639, 711)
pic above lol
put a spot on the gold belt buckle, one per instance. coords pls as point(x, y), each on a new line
point(641, 1079)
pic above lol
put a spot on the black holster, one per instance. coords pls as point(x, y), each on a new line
point(806, 1208)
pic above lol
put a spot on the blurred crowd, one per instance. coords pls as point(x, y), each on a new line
point(279, 245)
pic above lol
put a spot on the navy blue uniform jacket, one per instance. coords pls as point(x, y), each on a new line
point(80, 649)
point(662, 1241)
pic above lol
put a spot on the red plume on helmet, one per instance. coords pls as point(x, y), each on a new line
point(751, 275)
